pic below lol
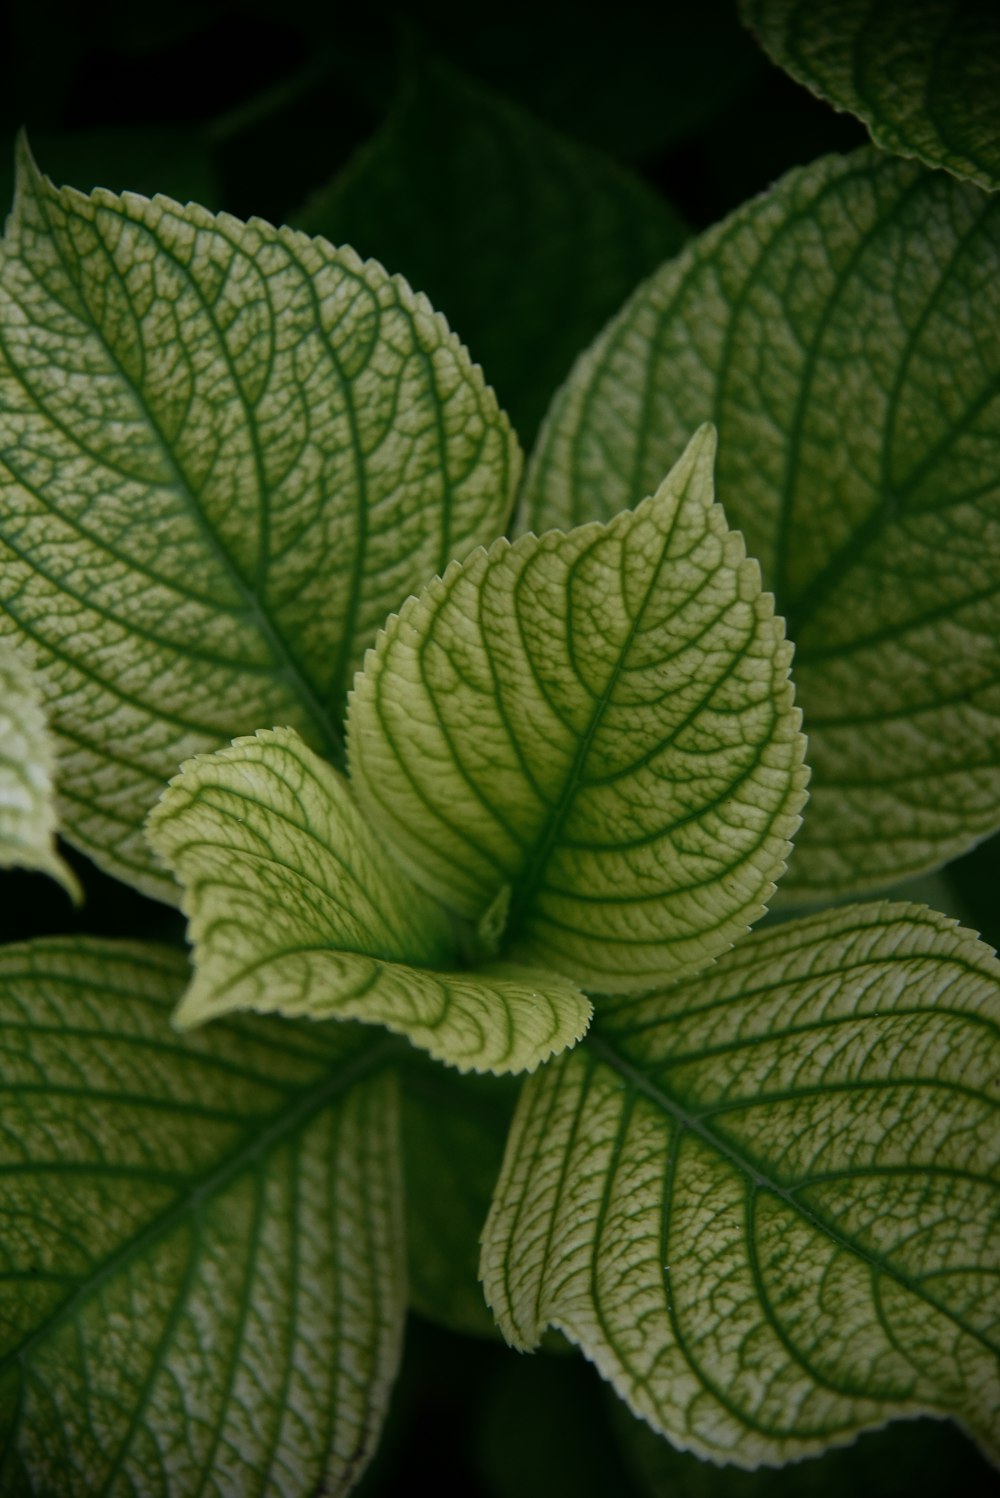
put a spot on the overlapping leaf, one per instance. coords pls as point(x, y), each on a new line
point(525, 239)
point(27, 805)
point(201, 1279)
point(765, 1202)
point(924, 75)
point(295, 907)
point(844, 334)
point(591, 736)
point(226, 451)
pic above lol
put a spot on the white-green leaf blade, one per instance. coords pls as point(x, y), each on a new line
point(27, 764)
point(226, 451)
point(601, 721)
point(296, 908)
point(201, 1278)
point(923, 75)
point(843, 333)
point(765, 1202)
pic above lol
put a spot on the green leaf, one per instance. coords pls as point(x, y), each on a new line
point(27, 761)
point(296, 908)
point(526, 240)
point(844, 334)
point(201, 1280)
point(923, 75)
point(765, 1202)
point(226, 451)
point(602, 721)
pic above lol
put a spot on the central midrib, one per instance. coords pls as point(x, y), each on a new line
point(533, 872)
point(285, 663)
point(604, 1048)
point(259, 1142)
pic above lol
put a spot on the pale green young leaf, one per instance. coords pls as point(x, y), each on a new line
point(201, 1279)
point(844, 334)
point(296, 908)
point(27, 762)
point(226, 451)
point(923, 75)
point(524, 238)
point(765, 1201)
point(603, 722)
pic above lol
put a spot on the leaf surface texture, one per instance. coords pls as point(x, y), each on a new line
point(765, 1201)
point(843, 332)
point(924, 75)
point(201, 1280)
point(590, 738)
point(27, 762)
point(226, 451)
point(296, 908)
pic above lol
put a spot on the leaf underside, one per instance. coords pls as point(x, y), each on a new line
point(27, 804)
point(843, 332)
point(226, 452)
point(201, 1280)
point(765, 1201)
point(924, 75)
point(296, 908)
point(600, 722)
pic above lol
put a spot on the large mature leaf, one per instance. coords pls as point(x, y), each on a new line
point(844, 333)
point(27, 805)
point(598, 727)
point(226, 451)
point(924, 75)
point(765, 1202)
point(525, 239)
point(201, 1280)
point(295, 907)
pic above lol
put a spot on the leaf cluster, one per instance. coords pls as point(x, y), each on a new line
point(468, 748)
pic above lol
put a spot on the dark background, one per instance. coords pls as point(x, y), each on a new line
point(251, 108)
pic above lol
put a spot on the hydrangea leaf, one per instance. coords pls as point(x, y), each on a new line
point(226, 451)
point(600, 721)
point(765, 1201)
point(27, 761)
point(923, 75)
point(844, 334)
point(201, 1280)
point(296, 908)
point(458, 187)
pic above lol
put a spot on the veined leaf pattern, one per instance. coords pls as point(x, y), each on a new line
point(226, 452)
point(764, 1202)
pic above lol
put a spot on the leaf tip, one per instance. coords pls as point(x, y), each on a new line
point(25, 165)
